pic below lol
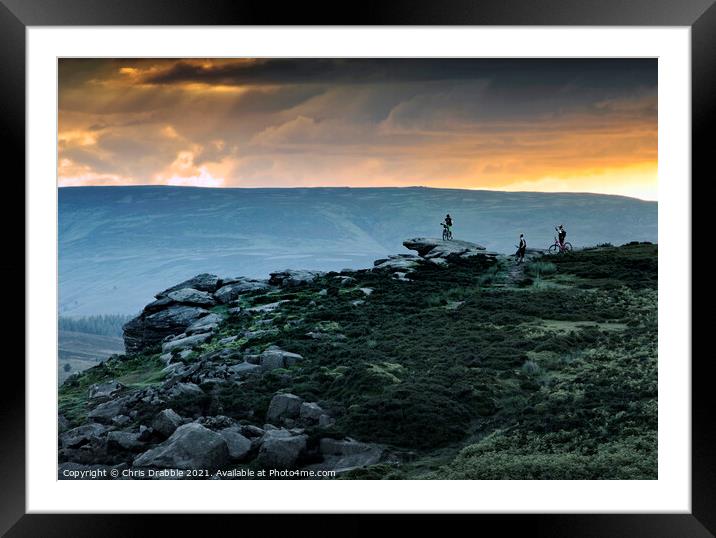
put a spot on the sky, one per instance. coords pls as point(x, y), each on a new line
point(554, 125)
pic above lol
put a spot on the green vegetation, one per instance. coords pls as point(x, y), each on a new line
point(461, 377)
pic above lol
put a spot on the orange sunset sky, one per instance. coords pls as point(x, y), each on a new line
point(578, 125)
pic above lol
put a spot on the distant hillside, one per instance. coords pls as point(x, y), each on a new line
point(119, 245)
point(82, 350)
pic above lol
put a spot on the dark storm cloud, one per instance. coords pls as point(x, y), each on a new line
point(508, 73)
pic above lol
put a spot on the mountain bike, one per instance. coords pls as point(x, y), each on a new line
point(447, 233)
point(560, 248)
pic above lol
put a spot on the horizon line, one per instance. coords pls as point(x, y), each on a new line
point(358, 187)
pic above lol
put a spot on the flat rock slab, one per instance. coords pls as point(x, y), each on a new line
point(429, 247)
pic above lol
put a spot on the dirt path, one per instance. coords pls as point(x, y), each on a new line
point(515, 274)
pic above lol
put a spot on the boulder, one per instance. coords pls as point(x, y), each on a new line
point(181, 390)
point(166, 422)
point(397, 263)
point(203, 282)
point(311, 411)
point(104, 390)
point(281, 449)
point(81, 435)
point(291, 277)
point(206, 324)
point(243, 369)
point(124, 441)
point(121, 420)
point(191, 446)
point(232, 290)
point(187, 342)
point(159, 304)
point(148, 330)
point(192, 296)
point(106, 411)
point(238, 445)
point(275, 357)
point(284, 406)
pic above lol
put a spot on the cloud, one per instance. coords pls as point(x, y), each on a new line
point(288, 122)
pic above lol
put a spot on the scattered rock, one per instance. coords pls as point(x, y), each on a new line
point(275, 357)
point(184, 389)
point(186, 342)
point(284, 406)
point(244, 369)
point(291, 278)
point(405, 263)
point(104, 390)
point(106, 411)
point(81, 435)
point(124, 441)
point(311, 411)
point(366, 291)
point(281, 449)
point(206, 324)
point(121, 420)
point(166, 422)
point(192, 296)
point(191, 446)
point(238, 445)
point(232, 290)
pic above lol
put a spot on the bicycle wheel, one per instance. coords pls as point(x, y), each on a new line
point(554, 249)
point(568, 247)
point(445, 235)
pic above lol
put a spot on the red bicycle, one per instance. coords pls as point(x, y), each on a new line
point(560, 248)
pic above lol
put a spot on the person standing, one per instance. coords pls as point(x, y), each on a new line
point(521, 249)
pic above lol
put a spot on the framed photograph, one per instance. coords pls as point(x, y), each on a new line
point(433, 260)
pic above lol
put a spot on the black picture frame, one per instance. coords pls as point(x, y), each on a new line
point(16, 15)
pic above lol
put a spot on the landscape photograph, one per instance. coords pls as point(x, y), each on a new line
point(357, 269)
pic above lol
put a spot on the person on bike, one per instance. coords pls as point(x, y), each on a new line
point(561, 234)
point(448, 224)
point(521, 249)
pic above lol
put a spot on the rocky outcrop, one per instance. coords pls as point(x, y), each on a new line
point(151, 328)
point(191, 446)
point(398, 262)
point(437, 248)
point(292, 277)
point(203, 282)
point(192, 297)
point(232, 289)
